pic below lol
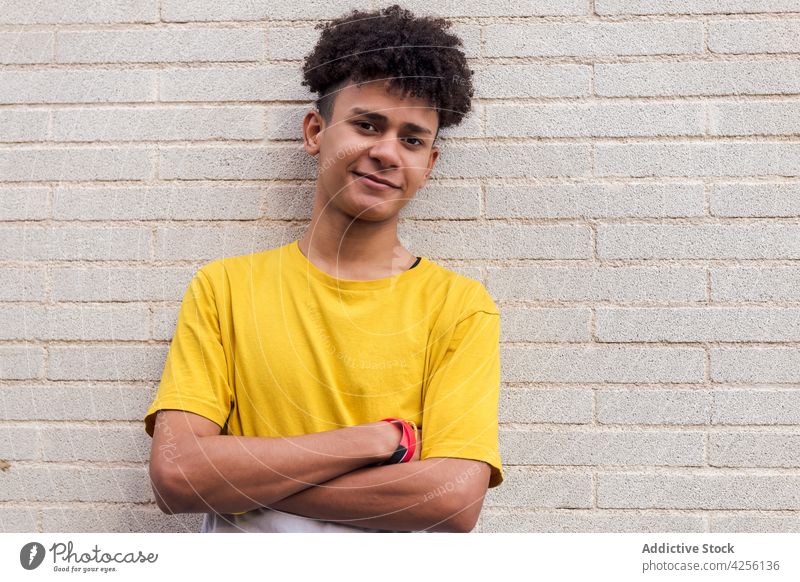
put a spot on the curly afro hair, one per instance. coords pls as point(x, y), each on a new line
point(416, 56)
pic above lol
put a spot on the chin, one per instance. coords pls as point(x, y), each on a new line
point(362, 206)
point(374, 214)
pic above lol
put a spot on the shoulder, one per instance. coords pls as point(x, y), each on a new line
point(465, 295)
point(234, 270)
point(461, 303)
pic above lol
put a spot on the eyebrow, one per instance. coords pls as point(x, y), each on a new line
point(383, 119)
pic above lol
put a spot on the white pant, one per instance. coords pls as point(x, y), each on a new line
point(265, 520)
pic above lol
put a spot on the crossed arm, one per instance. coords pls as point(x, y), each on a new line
point(436, 494)
point(327, 475)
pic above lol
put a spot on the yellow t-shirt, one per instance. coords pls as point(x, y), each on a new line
point(267, 344)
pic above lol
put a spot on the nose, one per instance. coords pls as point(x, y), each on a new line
point(385, 151)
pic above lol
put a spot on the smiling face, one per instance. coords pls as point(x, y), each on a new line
point(375, 132)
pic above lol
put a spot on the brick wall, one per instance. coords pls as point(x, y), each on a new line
point(626, 187)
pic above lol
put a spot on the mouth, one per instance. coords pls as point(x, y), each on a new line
point(372, 181)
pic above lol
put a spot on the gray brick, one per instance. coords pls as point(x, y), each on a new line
point(71, 483)
point(546, 325)
point(78, 11)
point(21, 362)
point(23, 125)
point(747, 522)
point(206, 10)
point(18, 519)
point(287, 43)
point(583, 521)
point(602, 447)
point(209, 10)
point(698, 159)
point(508, 160)
point(698, 324)
point(590, 283)
point(595, 200)
point(26, 47)
point(698, 491)
point(529, 405)
point(594, 39)
point(755, 283)
point(754, 36)
point(652, 406)
point(158, 123)
point(696, 241)
point(175, 202)
point(164, 322)
point(470, 126)
point(470, 36)
point(70, 243)
point(235, 163)
point(128, 322)
point(595, 120)
point(294, 43)
point(474, 8)
point(438, 201)
point(607, 7)
point(23, 284)
point(286, 121)
point(52, 164)
point(754, 118)
point(77, 86)
point(117, 519)
point(23, 203)
point(755, 364)
point(752, 406)
point(754, 449)
point(18, 443)
point(525, 488)
point(168, 45)
point(738, 77)
point(99, 442)
point(82, 401)
point(451, 240)
point(209, 243)
point(535, 80)
point(120, 283)
point(120, 362)
point(602, 364)
point(756, 199)
point(266, 83)
point(288, 202)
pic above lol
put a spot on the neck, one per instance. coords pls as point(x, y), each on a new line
point(349, 248)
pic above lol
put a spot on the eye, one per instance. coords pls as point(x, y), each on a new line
point(420, 142)
point(361, 123)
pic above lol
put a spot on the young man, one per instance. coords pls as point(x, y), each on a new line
point(284, 363)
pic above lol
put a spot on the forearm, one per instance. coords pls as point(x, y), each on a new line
point(232, 474)
point(403, 497)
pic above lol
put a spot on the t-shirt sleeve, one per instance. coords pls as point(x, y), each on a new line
point(460, 402)
point(195, 376)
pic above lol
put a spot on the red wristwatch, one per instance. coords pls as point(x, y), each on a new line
point(408, 442)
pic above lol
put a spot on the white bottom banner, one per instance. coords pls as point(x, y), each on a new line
point(373, 556)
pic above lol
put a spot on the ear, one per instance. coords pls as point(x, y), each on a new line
point(434, 155)
point(313, 128)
